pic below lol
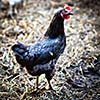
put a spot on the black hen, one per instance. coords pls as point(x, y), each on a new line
point(40, 57)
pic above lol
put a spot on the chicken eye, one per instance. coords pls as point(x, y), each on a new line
point(65, 10)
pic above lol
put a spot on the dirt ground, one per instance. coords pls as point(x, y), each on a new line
point(77, 75)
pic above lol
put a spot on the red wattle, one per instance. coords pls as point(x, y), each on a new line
point(66, 17)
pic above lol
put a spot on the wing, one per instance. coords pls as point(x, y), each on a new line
point(44, 58)
point(44, 51)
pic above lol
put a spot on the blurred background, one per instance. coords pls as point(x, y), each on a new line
point(77, 74)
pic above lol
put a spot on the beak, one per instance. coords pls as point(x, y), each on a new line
point(70, 13)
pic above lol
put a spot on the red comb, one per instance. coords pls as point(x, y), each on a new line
point(67, 7)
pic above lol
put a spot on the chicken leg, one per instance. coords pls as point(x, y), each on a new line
point(49, 77)
point(37, 80)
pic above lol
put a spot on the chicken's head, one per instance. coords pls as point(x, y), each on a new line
point(66, 12)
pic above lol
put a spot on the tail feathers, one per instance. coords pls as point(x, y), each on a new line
point(19, 49)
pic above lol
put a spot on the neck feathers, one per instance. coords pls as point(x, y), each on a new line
point(56, 27)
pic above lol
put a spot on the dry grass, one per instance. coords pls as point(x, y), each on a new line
point(72, 80)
